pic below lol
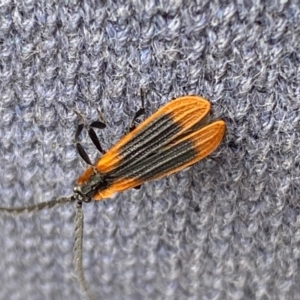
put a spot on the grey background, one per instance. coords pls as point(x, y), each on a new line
point(243, 240)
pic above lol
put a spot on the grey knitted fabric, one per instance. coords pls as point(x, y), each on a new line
point(226, 228)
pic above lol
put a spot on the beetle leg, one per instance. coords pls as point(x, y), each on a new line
point(93, 135)
point(79, 147)
point(139, 113)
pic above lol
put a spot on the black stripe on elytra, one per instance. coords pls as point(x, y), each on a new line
point(153, 137)
point(160, 163)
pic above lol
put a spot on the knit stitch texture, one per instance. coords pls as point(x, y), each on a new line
point(226, 228)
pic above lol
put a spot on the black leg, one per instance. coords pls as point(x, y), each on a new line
point(98, 124)
point(79, 147)
point(139, 113)
point(78, 131)
point(83, 154)
point(93, 136)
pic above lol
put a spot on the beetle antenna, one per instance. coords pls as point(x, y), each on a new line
point(36, 207)
point(78, 251)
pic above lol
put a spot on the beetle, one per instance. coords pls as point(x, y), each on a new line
point(176, 136)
